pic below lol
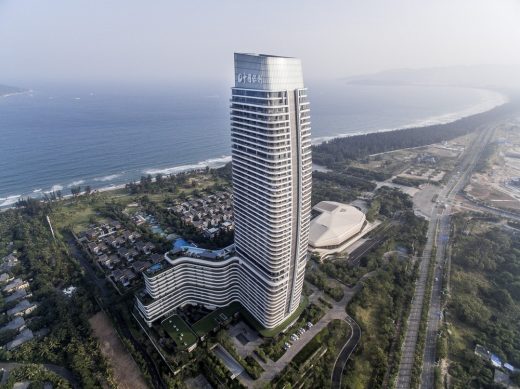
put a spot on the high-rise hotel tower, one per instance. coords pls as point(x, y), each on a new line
point(272, 171)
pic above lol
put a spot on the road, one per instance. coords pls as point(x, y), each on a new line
point(447, 196)
point(412, 325)
point(346, 351)
point(438, 229)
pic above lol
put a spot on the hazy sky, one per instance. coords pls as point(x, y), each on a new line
point(193, 39)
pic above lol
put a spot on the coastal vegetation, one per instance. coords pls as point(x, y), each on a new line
point(46, 262)
point(483, 306)
point(341, 186)
point(339, 151)
point(38, 375)
point(380, 309)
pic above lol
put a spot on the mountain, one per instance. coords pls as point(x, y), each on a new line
point(478, 76)
point(7, 90)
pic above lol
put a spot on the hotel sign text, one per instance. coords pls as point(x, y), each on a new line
point(242, 78)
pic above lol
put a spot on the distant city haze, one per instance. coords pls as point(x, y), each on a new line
point(172, 41)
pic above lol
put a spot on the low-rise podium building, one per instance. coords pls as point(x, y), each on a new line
point(335, 227)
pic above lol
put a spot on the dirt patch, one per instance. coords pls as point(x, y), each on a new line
point(126, 372)
point(488, 193)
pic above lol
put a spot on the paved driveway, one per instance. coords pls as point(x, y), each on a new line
point(337, 312)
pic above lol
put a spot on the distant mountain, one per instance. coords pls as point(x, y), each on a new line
point(479, 76)
point(7, 90)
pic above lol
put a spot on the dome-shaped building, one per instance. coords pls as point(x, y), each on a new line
point(336, 227)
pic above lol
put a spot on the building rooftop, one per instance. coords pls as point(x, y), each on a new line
point(20, 307)
point(335, 223)
point(23, 337)
point(19, 294)
point(267, 72)
point(14, 324)
point(265, 55)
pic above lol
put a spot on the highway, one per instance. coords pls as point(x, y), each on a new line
point(412, 325)
point(447, 196)
point(438, 234)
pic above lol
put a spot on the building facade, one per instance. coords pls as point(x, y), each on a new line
point(272, 173)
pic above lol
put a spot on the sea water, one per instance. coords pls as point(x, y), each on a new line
point(55, 137)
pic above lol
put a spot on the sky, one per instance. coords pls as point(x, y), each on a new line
point(174, 41)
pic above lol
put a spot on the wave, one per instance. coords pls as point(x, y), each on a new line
point(75, 183)
point(489, 100)
point(212, 163)
point(107, 178)
point(54, 188)
point(9, 200)
point(37, 190)
point(111, 187)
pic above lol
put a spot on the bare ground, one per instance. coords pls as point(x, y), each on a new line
point(126, 372)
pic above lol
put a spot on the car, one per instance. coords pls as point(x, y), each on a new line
point(287, 345)
point(309, 324)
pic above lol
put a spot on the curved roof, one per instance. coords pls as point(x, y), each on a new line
point(335, 224)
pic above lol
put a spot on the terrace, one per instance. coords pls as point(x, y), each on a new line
point(216, 319)
point(180, 332)
point(200, 253)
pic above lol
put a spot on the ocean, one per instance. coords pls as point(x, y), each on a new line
point(56, 137)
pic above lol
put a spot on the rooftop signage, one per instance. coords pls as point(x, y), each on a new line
point(243, 78)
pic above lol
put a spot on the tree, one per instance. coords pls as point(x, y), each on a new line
point(75, 190)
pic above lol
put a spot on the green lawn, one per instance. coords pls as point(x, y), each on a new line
point(213, 320)
point(179, 331)
point(80, 212)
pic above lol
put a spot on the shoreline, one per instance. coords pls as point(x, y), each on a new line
point(218, 162)
point(432, 120)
